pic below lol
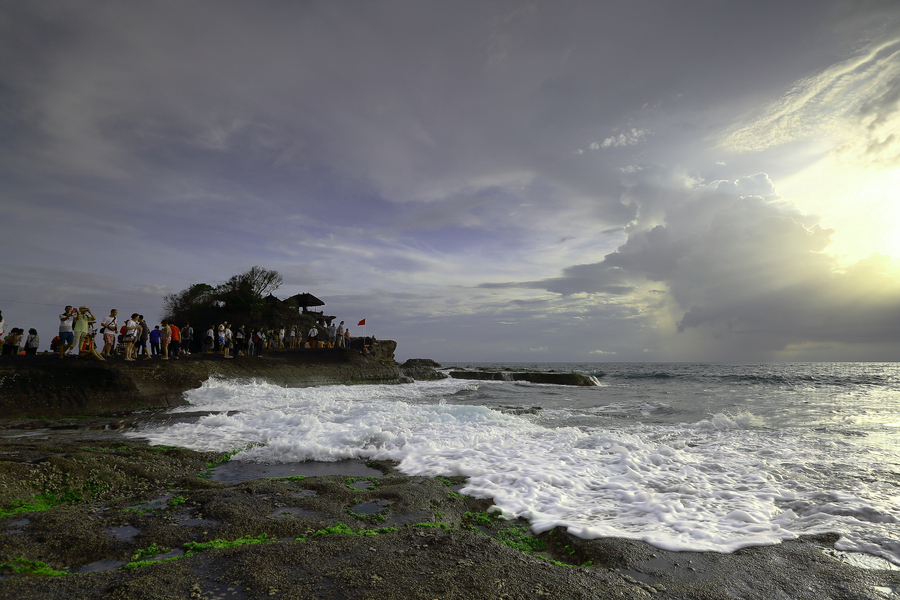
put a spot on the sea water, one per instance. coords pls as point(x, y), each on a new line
point(683, 456)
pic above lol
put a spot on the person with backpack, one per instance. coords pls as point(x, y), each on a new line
point(187, 336)
point(132, 332)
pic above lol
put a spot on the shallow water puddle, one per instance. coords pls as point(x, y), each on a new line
point(304, 494)
point(236, 471)
point(159, 503)
point(101, 566)
point(186, 520)
point(370, 508)
point(15, 526)
point(362, 485)
point(122, 532)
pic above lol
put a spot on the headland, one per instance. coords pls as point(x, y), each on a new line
point(46, 386)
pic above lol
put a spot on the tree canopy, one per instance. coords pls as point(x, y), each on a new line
point(243, 299)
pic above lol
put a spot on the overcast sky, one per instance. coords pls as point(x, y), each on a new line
point(651, 180)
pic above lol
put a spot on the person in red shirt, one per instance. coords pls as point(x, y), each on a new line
point(175, 346)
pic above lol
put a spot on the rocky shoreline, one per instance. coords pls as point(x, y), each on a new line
point(47, 386)
point(90, 513)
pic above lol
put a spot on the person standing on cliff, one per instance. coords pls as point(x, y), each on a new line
point(187, 336)
point(332, 332)
point(240, 338)
point(32, 342)
point(142, 338)
point(228, 338)
point(132, 332)
point(176, 340)
point(221, 332)
point(209, 342)
point(83, 319)
point(166, 339)
point(339, 334)
point(109, 328)
point(154, 341)
point(313, 337)
point(66, 330)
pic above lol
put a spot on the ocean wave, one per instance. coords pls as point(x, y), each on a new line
point(719, 484)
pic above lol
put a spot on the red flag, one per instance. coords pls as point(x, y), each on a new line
point(361, 323)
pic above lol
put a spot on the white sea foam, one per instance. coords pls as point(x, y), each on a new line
point(719, 484)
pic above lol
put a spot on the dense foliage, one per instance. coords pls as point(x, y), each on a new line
point(244, 299)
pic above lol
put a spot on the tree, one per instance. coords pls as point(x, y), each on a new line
point(239, 300)
point(198, 294)
point(258, 282)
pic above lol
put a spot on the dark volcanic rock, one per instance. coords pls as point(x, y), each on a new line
point(421, 369)
point(45, 385)
point(126, 501)
point(532, 376)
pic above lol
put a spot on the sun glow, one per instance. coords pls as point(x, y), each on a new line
point(861, 204)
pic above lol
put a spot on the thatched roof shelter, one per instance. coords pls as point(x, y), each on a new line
point(305, 300)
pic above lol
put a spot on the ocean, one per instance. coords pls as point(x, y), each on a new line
point(703, 457)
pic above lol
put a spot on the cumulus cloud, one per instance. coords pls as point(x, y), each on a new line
point(740, 263)
point(628, 138)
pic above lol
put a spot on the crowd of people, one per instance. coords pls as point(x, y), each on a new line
point(78, 329)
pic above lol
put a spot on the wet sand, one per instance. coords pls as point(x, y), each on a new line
point(330, 530)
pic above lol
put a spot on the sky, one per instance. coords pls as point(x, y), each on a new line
point(547, 181)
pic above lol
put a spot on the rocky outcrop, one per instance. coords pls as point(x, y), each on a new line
point(422, 369)
point(531, 376)
point(45, 385)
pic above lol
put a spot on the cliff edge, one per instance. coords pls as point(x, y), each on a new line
point(47, 386)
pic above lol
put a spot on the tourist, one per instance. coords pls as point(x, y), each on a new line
point(175, 342)
point(12, 341)
point(187, 336)
point(294, 336)
point(83, 319)
point(221, 331)
point(260, 340)
point(141, 344)
point(209, 342)
point(155, 336)
point(66, 330)
point(228, 340)
point(312, 337)
point(166, 339)
point(108, 328)
point(32, 342)
point(86, 346)
point(339, 335)
point(240, 337)
point(132, 333)
point(347, 338)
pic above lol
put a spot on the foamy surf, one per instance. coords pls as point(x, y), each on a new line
point(718, 484)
